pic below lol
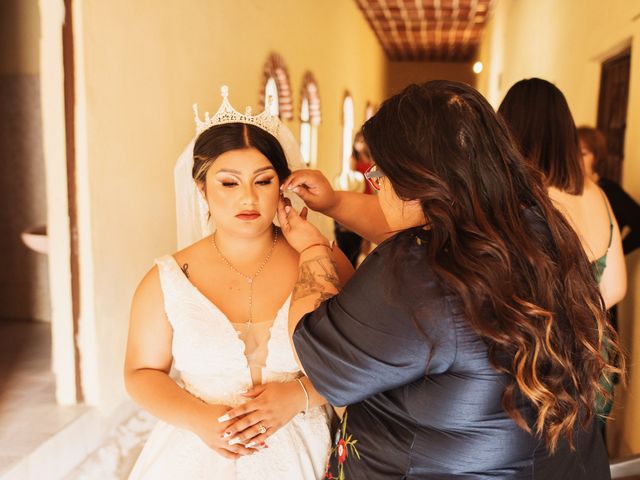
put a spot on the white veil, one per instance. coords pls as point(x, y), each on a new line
point(191, 209)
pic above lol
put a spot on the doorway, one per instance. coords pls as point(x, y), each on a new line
point(612, 110)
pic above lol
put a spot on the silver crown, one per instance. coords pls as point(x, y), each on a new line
point(227, 114)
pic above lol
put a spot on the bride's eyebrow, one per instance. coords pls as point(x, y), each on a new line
point(237, 172)
point(270, 167)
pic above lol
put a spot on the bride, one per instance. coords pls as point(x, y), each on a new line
point(217, 311)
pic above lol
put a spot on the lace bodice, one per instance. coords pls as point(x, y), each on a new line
point(208, 351)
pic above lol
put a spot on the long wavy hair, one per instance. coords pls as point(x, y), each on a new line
point(527, 290)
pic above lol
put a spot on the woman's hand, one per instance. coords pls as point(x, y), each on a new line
point(312, 187)
point(272, 406)
point(296, 229)
point(211, 431)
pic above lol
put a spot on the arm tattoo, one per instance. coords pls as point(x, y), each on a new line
point(315, 278)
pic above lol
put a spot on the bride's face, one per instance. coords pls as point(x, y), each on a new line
point(242, 190)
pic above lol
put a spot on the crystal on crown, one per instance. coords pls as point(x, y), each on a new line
point(227, 114)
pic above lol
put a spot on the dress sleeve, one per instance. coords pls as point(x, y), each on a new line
point(373, 336)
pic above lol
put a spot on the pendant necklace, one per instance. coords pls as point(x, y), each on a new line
point(249, 278)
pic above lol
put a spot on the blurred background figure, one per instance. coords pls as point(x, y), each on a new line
point(353, 245)
point(593, 147)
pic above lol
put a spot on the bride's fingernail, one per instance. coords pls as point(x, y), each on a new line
point(224, 418)
point(287, 209)
point(250, 444)
point(296, 189)
point(226, 434)
point(234, 441)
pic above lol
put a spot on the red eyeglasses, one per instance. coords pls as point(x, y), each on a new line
point(374, 176)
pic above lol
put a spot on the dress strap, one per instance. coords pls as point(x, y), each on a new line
point(171, 273)
point(606, 205)
point(167, 265)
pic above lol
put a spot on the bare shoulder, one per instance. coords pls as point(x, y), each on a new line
point(149, 290)
point(193, 252)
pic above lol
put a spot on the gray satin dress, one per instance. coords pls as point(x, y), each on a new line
point(423, 400)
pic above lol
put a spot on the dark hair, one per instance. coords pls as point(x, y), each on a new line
point(539, 118)
point(498, 244)
point(220, 139)
point(595, 142)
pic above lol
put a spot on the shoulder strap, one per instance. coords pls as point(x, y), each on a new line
point(606, 205)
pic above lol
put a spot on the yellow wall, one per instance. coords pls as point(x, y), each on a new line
point(401, 74)
point(145, 63)
point(565, 42)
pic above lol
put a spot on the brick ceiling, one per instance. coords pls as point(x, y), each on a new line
point(427, 30)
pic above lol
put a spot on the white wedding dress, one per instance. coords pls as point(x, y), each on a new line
point(211, 359)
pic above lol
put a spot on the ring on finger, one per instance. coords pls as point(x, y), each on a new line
point(261, 429)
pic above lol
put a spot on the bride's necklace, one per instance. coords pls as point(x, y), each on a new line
point(249, 278)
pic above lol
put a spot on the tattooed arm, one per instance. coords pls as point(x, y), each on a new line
point(318, 267)
point(317, 281)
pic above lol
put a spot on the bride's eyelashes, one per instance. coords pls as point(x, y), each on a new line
point(265, 181)
point(235, 183)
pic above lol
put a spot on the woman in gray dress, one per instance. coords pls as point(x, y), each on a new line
point(469, 344)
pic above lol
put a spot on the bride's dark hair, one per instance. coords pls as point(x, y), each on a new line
point(220, 139)
point(527, 289)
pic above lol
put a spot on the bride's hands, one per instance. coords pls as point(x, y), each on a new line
point(211, 432)
point(272, 405)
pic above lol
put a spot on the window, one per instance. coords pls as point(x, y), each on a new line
point(347, 131)
point(275, 82)
point(369, 110)
point(305, 131)
point(309, 120)
point(271, 93)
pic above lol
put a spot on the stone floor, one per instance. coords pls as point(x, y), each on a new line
point(29, 415)
point(115, 458)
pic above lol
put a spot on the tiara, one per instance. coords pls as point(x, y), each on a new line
point(227, 114)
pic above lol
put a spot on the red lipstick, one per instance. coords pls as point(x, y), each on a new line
point(248, 215)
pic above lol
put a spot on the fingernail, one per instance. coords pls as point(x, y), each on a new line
point(226, 435)
point(234, 441)
point(224, 418)
point(287, 209)
point(250, 444)
point(296, 189)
